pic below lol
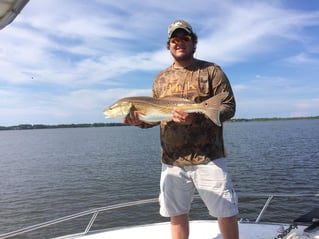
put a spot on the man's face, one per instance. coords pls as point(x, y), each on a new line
point(181, 45)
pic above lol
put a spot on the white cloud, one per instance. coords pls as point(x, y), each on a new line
point(276, 107)
point(303, 58)
point(241, 33)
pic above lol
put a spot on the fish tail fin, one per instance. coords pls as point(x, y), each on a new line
point(212, 106)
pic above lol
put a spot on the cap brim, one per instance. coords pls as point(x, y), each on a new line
point(182, 28)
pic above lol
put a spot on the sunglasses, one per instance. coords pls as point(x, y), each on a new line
point(177, 40)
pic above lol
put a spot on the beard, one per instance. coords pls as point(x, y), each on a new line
point(185, 56)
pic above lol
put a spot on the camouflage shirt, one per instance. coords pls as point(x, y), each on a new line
point(202, 141)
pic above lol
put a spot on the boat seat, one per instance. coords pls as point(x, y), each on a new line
point(310, 219)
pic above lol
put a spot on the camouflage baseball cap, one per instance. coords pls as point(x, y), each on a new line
point(179, 24)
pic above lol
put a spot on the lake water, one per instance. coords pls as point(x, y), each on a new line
point(50, 173)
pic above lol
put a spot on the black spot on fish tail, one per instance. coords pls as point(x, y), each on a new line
point(212, 107)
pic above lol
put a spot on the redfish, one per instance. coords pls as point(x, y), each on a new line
point(154, 110)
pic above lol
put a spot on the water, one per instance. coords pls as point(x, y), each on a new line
point(50, 173)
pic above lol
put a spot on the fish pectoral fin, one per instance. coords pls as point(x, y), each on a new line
point(141, 112)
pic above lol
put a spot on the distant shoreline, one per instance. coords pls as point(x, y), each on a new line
point(274, 118)
point(43, 126)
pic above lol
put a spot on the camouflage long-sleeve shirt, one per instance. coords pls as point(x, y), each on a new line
point(202, 141)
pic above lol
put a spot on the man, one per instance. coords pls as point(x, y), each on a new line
point(193, 155)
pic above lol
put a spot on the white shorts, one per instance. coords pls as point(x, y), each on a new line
point(212, 182)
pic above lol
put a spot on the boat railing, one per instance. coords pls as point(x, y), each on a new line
point(96, 211)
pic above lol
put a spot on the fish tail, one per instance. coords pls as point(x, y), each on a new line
point(212, 106)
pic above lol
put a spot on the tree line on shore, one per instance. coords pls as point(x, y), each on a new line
point(43, 126)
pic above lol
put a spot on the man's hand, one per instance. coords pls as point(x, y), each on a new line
point(180, 116)
point(132, 119)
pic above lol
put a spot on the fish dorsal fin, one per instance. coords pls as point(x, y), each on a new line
point(175, 100)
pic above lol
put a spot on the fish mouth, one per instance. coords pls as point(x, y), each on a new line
point(107, 115)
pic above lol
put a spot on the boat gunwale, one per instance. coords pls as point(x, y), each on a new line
point(96, 211)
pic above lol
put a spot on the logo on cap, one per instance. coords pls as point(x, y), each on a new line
point(179, 24)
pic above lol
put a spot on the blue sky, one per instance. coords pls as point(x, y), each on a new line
point(64, 61)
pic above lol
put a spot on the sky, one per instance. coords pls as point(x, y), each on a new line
point(63, 62)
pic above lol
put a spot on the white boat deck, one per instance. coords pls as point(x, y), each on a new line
point(198, 229)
